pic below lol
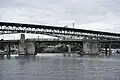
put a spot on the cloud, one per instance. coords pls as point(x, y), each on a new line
point(87, 14)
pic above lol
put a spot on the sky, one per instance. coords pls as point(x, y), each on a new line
point(100, 15)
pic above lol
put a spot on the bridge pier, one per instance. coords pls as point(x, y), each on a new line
point(106, 52)
point(108, 46)
point(30, 46)
point(110, 51)
point(8, 49)
point(99, 48)
point(69, 49)
point(90, 47)
point(22, 45)
point(26, 47)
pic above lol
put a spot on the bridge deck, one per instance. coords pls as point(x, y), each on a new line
point(58, 28)
point(9, 41)
point(29, 40)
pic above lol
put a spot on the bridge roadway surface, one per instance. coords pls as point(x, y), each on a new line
point(93, 41)
point(8, 28)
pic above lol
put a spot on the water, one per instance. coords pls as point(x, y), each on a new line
point(57, 67)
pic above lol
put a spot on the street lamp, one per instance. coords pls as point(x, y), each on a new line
point(73, 24)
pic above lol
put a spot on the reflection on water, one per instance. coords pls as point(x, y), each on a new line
point(57, 67)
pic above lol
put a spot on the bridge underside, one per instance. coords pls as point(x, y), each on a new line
point(37, 46)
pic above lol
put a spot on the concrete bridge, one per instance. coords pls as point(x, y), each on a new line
point(28, 46)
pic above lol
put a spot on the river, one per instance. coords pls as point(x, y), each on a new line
point(58, 67)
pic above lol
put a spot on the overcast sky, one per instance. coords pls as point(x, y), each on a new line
point(102, 15)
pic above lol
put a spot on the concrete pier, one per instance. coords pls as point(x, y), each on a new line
point(69, 49)
point(90, 47)
point(8, 49)
point(26, 47)
point(99, 48)
point(22, 45)
point(110, 51)
point(30, 46)
point(106, 52)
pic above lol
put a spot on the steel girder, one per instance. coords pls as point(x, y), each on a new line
point(8, 28)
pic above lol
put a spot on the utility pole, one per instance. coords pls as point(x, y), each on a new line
point(73, 24)
point(73, 28)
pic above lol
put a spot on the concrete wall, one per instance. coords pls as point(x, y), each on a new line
point(90, 47)
point(22, 44)
point(26, 47)
point(22, 48)
point(69, 48)
point(30, 47)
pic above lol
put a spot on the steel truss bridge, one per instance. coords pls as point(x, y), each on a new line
point(61, 32)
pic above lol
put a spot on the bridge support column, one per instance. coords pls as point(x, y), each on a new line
point(22, 48)
point(64, 54)
point(22, 45)
point(8, 49)
point(69, 49)
point(99, 48)
point(108, 46)
point(106, 51)
point(110, 49)
point(26, 47)
point(90, 47)
point(30, 46)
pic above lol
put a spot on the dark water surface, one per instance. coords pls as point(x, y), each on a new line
point(57, 67)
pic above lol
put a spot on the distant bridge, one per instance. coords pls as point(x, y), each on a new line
point(62, 32)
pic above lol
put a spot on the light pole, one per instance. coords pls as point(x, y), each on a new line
point(73, 24)
point(73, 28)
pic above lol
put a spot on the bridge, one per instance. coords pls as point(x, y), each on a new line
point(89, 39)
point(57, 31)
